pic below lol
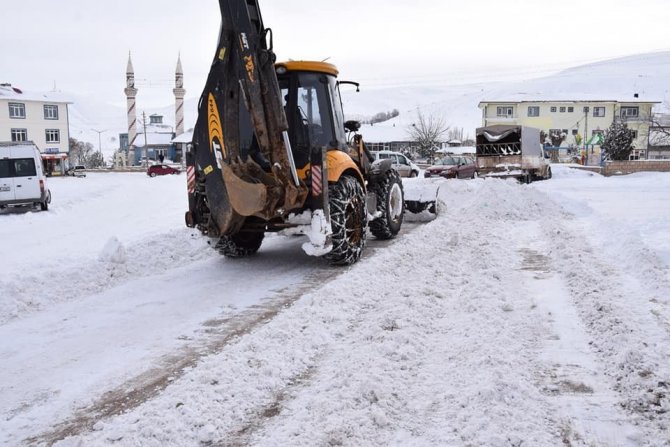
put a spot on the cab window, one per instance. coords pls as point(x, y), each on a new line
point(4, 168)
point(24, 167)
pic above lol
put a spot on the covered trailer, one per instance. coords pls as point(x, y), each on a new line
point(511, 151)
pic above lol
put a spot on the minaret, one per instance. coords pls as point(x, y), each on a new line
point(131, 94)
point(179, 93)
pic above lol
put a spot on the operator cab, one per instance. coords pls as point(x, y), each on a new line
point(313, 107)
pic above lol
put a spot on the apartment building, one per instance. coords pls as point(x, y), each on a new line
point(38, 117)
point(574, 122)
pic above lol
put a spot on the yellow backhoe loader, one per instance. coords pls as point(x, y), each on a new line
point(271, 152)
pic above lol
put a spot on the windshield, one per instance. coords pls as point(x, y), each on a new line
point(447, 161)
point(313, 111)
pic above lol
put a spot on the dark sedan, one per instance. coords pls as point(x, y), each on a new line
point(453, 166)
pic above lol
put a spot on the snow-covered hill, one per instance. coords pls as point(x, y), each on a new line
point(645, 74)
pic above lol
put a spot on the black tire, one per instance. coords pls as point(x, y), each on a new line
point(548, 173)
point(348, 218)
point(44, 206)
point(390, 203)
point(416, 207)
point(240, 245)
point(413, 174)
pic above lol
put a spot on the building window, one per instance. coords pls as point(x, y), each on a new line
point(571, 109)
point(533, 111)
point(598, 111)
point(53, 135)
point(630, 112)
point(575, 131)
point(634, 134)
point(17, 110)
point(506, 111)
point(19, 134)
point(50, 112)
point(553, 109)
point(562, 109)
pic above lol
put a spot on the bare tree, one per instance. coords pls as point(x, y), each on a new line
point(80, 152)
point(456, 133)
point(428, 132)
point(659, 129)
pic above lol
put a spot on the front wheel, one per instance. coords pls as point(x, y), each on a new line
point(390, 205)
point(153, 174)
point(240, 245)
point(348, 219)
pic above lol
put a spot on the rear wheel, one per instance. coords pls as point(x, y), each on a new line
point(44, 206)
point(239, 245)
point(348, 219)
point(390, 205)
point(153, 174)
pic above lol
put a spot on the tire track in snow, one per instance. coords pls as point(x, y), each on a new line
point(624, 335)
point(571, 374)
point(219, 332)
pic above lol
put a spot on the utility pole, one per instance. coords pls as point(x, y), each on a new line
point(586, 134)
point(145, 156)
point(100, 132)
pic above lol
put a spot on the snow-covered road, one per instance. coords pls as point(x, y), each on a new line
point(524, 315)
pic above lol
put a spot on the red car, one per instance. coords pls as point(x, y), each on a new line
point(453, 166)
point(155, 170)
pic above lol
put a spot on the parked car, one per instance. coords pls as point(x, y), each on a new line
point(402, 164)
point(77, 171)
point(22, 178)
point(155, 170)
point(453, 166)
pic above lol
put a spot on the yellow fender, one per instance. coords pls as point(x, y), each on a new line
point(338, 164)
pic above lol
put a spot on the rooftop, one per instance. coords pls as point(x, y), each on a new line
point(9, 92)
point(567, 97)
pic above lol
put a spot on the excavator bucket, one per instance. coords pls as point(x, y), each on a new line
point(240, 135)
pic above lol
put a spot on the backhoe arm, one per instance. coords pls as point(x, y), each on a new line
point(242, 82)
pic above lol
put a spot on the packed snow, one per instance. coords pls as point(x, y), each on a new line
point(523, 315)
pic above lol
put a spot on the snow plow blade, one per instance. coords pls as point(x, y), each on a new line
point(421, 196)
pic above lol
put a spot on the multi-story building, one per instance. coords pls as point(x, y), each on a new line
point(573, 123)
point(38, 117)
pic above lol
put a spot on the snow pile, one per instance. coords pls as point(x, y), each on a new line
point(511, 319)
point(113, 252)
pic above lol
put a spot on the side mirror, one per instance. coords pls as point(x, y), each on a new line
point(352, 126)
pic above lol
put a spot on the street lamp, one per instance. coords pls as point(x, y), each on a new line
point(100, 132)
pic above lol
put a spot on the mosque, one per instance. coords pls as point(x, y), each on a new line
point(149, 139)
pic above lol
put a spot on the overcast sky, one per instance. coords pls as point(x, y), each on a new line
point(82, 45)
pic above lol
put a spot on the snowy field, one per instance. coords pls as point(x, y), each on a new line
point(524, 315)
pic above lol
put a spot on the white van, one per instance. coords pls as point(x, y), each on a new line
point(22, 180)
